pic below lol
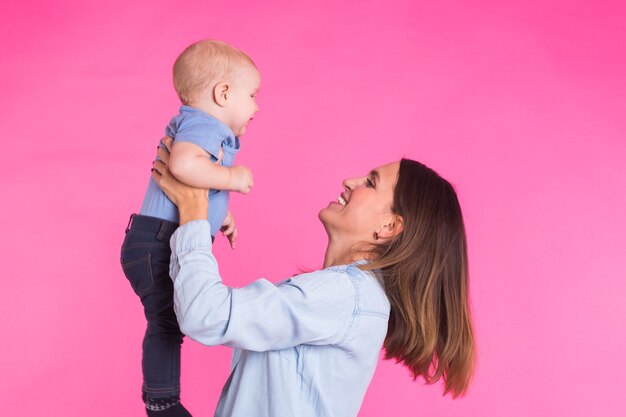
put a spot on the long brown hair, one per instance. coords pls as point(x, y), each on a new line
point(425, 274)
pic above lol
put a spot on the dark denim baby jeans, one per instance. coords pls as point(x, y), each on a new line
point(145, 261)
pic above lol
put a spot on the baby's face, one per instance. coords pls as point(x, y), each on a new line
point(242, 101)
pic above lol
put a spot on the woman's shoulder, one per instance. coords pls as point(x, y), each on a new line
point(366, 286)
point(334, 274)
point(342, 280)
point(371, 295)
point(328, 279)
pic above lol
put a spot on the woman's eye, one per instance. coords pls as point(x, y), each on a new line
point(369, 183)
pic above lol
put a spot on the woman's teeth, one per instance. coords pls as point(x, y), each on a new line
point(341, 200)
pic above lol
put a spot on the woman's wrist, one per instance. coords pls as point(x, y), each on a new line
point(193, 209)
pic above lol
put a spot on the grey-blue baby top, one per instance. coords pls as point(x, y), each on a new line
point(197, 127)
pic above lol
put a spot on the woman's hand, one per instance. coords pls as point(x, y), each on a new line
point(193, 203)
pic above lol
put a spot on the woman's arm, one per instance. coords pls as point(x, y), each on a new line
point(314, 308)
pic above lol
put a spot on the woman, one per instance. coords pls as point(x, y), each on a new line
point(395, 275)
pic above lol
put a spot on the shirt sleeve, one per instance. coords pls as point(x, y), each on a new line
point(200, 132)
point(313, 308)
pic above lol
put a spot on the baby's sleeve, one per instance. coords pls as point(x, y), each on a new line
point(201, 132)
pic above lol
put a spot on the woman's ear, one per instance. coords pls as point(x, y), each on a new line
point(221, 91)
point(392, 227)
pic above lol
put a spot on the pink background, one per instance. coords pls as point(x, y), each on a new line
point(520, 105)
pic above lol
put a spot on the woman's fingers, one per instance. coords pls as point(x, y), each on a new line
point(166, 182)
point(163, 150)
point(163, 154)
point(166, 143)
point(158, 167)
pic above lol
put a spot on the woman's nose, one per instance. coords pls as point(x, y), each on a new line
point(352, 183)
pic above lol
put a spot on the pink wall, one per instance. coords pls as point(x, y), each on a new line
point(520, 106)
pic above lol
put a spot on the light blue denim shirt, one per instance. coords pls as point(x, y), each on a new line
point(305, 347)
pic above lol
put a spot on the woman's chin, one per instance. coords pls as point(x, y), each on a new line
point(325, 214)
point(322, 214)
point(326, 219)
point(330, 215)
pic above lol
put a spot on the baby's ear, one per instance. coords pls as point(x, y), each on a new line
point(221, 91)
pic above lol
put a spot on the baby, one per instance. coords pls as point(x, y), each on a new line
point(217, 85)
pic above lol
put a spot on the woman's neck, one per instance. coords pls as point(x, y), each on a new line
point(342, 253)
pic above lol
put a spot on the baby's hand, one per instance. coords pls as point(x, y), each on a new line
point(241, 179)
point(229, 229)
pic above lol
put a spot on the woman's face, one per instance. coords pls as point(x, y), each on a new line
point(364, 208)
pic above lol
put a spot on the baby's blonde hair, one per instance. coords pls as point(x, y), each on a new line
point(204, 62)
